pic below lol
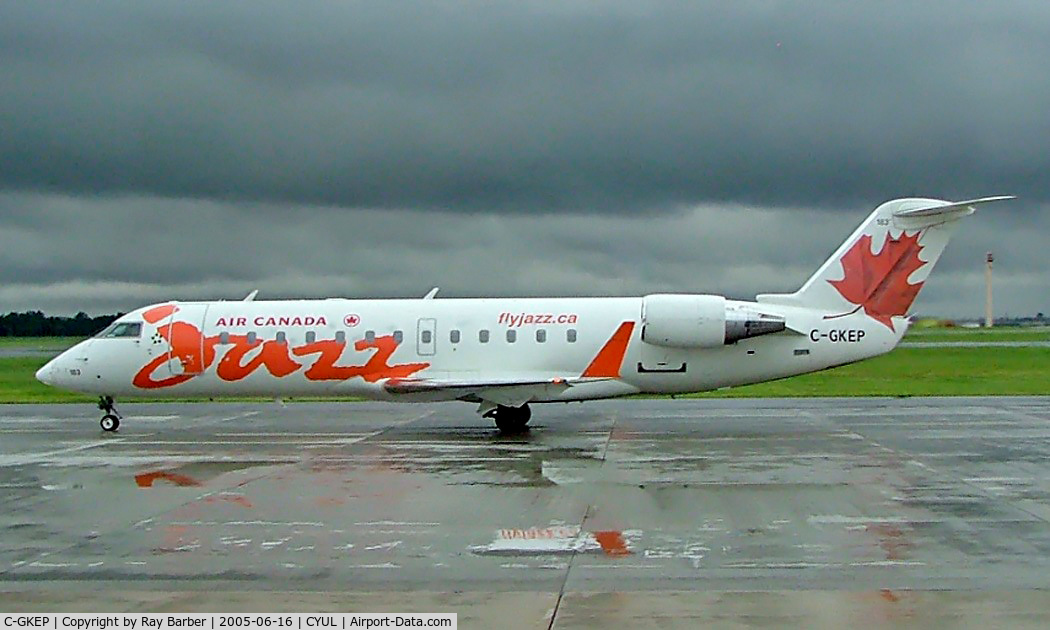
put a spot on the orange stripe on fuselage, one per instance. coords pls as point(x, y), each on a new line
point(609, 359)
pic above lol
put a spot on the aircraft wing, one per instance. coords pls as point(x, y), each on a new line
point(512, 392)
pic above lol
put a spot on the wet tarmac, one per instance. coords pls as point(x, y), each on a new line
point(652, 513)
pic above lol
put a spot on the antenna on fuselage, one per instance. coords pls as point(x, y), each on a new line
point(430, 294)
point(251, 296)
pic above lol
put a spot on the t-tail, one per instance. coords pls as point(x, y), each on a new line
point(883, 265)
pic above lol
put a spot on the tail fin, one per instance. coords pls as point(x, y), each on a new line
point(882, 266)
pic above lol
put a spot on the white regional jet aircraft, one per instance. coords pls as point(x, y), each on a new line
point(506, 353)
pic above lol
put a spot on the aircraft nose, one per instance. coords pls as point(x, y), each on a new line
point(46, 374)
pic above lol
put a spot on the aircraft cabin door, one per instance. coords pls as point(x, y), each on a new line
point(426, 336)
point(184, 331)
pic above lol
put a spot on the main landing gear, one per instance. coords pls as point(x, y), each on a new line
point(111, 420)
point(510, 420)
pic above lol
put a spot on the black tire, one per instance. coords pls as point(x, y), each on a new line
point(109, 422)
point(510, 420)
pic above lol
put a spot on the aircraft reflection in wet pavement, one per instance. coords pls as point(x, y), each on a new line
point(503, 354)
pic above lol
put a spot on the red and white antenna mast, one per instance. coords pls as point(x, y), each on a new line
point(989, 319)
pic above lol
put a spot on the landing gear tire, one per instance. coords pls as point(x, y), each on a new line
point(511, 420)
point(109, 422)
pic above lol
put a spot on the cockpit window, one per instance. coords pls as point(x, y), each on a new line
point(122, 329)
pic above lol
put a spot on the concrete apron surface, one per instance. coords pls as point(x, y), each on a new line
point(652, 513)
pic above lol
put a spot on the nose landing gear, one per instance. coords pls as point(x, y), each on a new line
point(111, 420)
point(511, 420)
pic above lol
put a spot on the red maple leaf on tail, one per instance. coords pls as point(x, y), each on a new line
point(878, 283)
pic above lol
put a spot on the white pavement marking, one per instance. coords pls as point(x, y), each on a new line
point(34, 431)
point(241, 442)
point(21, 460)
point(261, 434)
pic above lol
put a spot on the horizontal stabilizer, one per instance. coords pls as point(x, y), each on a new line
point(949, 208)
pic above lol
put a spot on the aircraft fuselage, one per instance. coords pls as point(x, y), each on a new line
point(338, 347)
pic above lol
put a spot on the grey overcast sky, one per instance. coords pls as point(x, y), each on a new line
point(154, 150)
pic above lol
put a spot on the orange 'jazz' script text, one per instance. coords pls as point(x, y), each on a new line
point(197, 353)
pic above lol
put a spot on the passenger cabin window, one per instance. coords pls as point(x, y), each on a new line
point(398, 336)
point(281, 337)
point(541, 335)
point(311, 336)
point(252, 338)
point(340, 336)
point(370, 336)
point(570, 335)
point(122, 329)
point(453, 336)
point(483, 336)
point(425, 337)
point(512, 336)
point(224, 338)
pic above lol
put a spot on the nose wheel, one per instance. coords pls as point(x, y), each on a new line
point(511, 420)
point(111, 421)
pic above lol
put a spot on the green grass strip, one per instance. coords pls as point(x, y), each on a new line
point(919, 372)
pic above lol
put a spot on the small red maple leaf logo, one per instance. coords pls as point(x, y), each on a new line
point(878, 283)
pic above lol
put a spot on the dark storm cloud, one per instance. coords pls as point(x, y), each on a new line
point(118, 254)
point(596, 107)
point(157, 150)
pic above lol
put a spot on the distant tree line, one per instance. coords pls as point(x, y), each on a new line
point(36, 324)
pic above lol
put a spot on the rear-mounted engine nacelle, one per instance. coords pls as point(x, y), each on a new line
point(701, 321)
point(746, 324)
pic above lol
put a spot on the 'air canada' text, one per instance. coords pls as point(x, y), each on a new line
point(270, 320)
